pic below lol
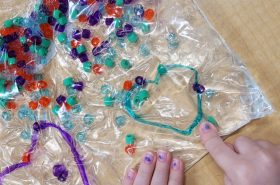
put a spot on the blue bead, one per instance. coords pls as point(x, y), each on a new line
point(68, 125)
point(105, 89)
point(76, 108)
point(120, 121)
point(144, 50)
point(88, 119)
point(81, 137)
point(7, 115)
point(23, 112)
point(139, 10)
point(25, 134)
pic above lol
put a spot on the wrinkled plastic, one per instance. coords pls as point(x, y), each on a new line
point(178, 35)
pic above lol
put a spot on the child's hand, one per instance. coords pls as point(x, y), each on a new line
point(246, 162)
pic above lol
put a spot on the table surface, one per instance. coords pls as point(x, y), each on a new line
point(252, 29)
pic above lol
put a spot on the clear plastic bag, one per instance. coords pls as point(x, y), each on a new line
point(113, 82)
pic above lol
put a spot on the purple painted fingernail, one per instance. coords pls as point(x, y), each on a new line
point(162, 156)
point(149, 157)
point(206, 127)
point(175, 164)
point(131, 174)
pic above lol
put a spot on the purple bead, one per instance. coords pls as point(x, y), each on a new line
point(60, 99)
point(27, 32)
point(105, 44)
point(83, 2)
point(25, 48)
point(37, 40)
point(20, 80)
point(120, 33)
point(97, 15)
point(76, 35)
point(36, 126)
point(109, 21)
point(83, 57)
point(128, 28)
point(63, 8)
point(139, 80)
point(12, 54)
point(44, 9)
point(51, 20)
point(112, 1)
point(79, 86)
point(127, 1)
point(33, 15)
point(60, 171)
point(74, 53)
point(21, 64)
point(92, 20)
point(86, 33)
point(59, 28)
point(198, 88)
point(96, 51)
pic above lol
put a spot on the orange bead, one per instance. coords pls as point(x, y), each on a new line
point(110, 9)
point(67, 106)
point(47, 30)
point(31, 86)
point(95, 41)
point(26, 157)
point(127, 85)
point(118, 12)
point(44, 101)
point(33, 105)
point(97, 69)
point(11, 105)
point(41, 84)
point(75, 43)
point(89, 2)
point(83, 18)
point(149, 14)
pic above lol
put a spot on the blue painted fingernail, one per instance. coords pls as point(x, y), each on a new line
point(149, 157)
point(175, 164)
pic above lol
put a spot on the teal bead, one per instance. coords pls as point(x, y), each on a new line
point(4, 57)
point(145, 27)
point(1, 41)
point(72, 100)
point(57, 14)
point(62, 38)
point(143, 95)
point(118, 23)
point(62, 20)
point(68, 125)
point(130, 139)
point(38, 76)
point(18, 21)
point(71, 91)
point(132, 37)
point(173, 42)
point(31, 116)
point(33, 48)
point(2, 89)
point(45, 92)
point(120, 121)
point(125, 64)
point(161, 69)
point(23, 112)
point(42, 52)
point(87, 66)
point(55, 109)
point(98, 60)
point(76, 109)
point(81, 49)
point(105, 89)
point(12, 61)
point(3, 103)
point(119, 2)
point(7, 115)
point(74, 14)
point(88, 119)
point(144, 50)
point(81, 137)
point(209, 93)
point(46, 43)
point(109, 62)
point(8, 23)
point(68, 81)
point(25, 135)
point(65, 116)
point(22, 39)
point(35, 96)
point(108, 101)
point(112, 52)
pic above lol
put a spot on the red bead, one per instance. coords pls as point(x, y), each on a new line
point(33, 105)
point(31, 86)
point(127, 85)
point(44, 101)
point(47, 30)
point(67, 106)
point(83, 18)
point(51, 4)
point(41, 84)
point(75, 43)
point(95, 41)
point(149, 14)
point(26, 157)
point(130, 149)
point(97, 69)
point(11, 105)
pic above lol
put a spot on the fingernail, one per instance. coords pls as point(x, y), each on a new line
point(149, 157)
point(162, 155)
point(175, 164)
point(131, 174)
point(206, 127)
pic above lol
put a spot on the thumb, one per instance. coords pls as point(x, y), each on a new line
point(220, 152)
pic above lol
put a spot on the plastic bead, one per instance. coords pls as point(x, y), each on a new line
point(68, 125)
point(81, 49)
point(60, 171)
point(8, 23)
point(209, 93)
point(109, 21)
point(44, 92)
point(25, 135)
point(41, 84)
point(130, 139)
point(161, 69)
point(139, 10)
point(46, 43)
point(55, 109)
point(83, 18)
point(76, 109)
point(26, 157)
point(105, 89)
point(33, 105)
point(22, 39)
point(11, 61)
point(118, 23)
point(7, 115)
point(88, 119)
point(71, 91)
point(97, 69)
point(68, 81)
point(130, 149)
point(86, 33)
point(20, 80)
point(79, 86)
point(119, 2)
point(95, 41)
point(109, 62)
point(145, 27)
point(11, 105)
point(57, 14)
point(81, 137)
point(60, 99)
point(198, 88)
point(144, 50)
point(87, 66)
point(120, 121)
point(44, 101)
point(62, 20)
point(143, 95)
point(149, 14)
point(139, 80)
point(132, 37)
point(125, 64)
point(108, 101)
point(74, 14)
point(72, 100)
point(127, 85)
point(62, 38)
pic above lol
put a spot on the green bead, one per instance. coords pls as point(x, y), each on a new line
point(130, 139)
point(119, 2)
point(132, 37)
point(74, 14)
point(55, 109)
point(118, 23)
point(162, 69)
point(145, 27)
point(143, 95)
point(42, 52)
point(108, 101)
point(87, 66)
point(68, 81)
point(46, 43)
point(12, 61)
point(62, 38)
point(81, 49)
point(109, 62)
point(4, 57)
point(125, 64)
point(72, 100)
point(57, 14)
point(33, 48)
point(8, 23)
point(22, 39)
point(18, 21)
point(62, 20)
